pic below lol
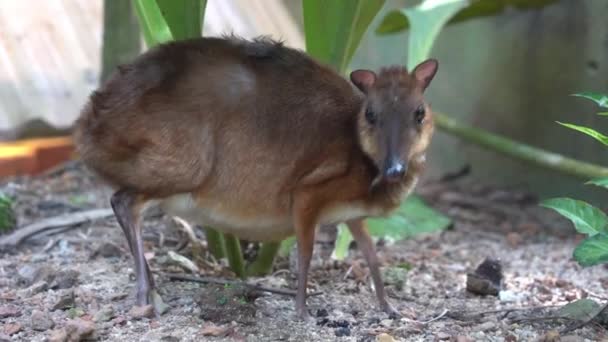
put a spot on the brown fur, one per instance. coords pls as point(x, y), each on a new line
point(254, 133)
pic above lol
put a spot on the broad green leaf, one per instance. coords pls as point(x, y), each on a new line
point(335, 28)
point(603, 113)
point(586, 218)
point(426, 21)
point(343, 240)
point(154, 26)
point(396, 21)
point(600, 99)
point(603, 182)
point(592, 251)
point(589, 131)
point(7, 214)
point(184, 17)
point(413, 217)
point(581, 309)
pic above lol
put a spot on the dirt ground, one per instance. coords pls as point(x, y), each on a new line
point(71, 283)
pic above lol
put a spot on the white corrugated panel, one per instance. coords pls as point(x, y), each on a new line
point(50, 50)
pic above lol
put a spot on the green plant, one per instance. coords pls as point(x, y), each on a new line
point(586, 218)
point(7, 215)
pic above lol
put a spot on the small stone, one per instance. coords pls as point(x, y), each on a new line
point(65, 279)
point(486, 326)
point(571, 338)
point(463, 339)
point(139, 312)
point(79, 329)
point(9, 311)
point(514, 239)
point(12, 328)
point(65, 301)
point(386, 323)
point(41, 321)
point(58, 335)
point(510, 338)
point(108, 250)
point(384, 337)
point(443, 336)
point(550, 336)
point(487, 278)
point(342, 331)
point(104, 314)
point(5, 338)
point(29, 274)
point(511, 296)
point(322, 313)
point(38, 287)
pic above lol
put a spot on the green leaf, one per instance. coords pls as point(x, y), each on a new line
point(155, 28)
point(184, 17)
point(592, 251)
point(335, 28)
point(343, 240)
point(413, 217)
point(603, 182)
point(396, 21)
point(580, 310)
point(600, 99)
point(7, 214)
point(426, 21)
point(586, 218)
point(286, 246)
point(589, 131)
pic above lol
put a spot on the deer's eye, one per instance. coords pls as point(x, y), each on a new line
point(419, 115)
point(371, 117)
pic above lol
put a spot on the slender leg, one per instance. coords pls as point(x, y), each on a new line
point(305, 235)
point(127, 210)
point(366, 245)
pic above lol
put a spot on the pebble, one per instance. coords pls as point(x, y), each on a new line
point(40, 286)
point(104, 314)
point(443, 336)
point(9, 311)
point(41, 321)
point(342, 331)
point(486, 326)
point(139, 312)
point(108, 250)
point(5, 338)
point(29, 274)
point(12, 328)
point(384, 337)
point(65, 301)
point(65, 279)
point(79, 329)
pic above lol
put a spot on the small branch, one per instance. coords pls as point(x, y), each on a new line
point(465, 316)
point(582, 323)
point(533, 155)
point(67, 220)
point(440, 316)
point(212, 280)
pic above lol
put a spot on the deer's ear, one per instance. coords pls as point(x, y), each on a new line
point(425, 71)
point(363, 79)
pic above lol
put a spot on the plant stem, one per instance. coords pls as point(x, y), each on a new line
point(533, 155)
point(262, 264)
point(234, 254)
point(215, 243)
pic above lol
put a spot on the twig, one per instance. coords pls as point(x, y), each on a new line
point(441, 315)
point(582, 323)
point(212, 280)
point(461, 316)
point(542, 318)
point(66, 220)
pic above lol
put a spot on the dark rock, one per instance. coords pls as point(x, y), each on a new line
point(41, 321)
point(338, 324)
point(322, 313)
point(487, 278)
point(108, 250)
point(342, 331)
point(65, 279)
point(79, 329)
